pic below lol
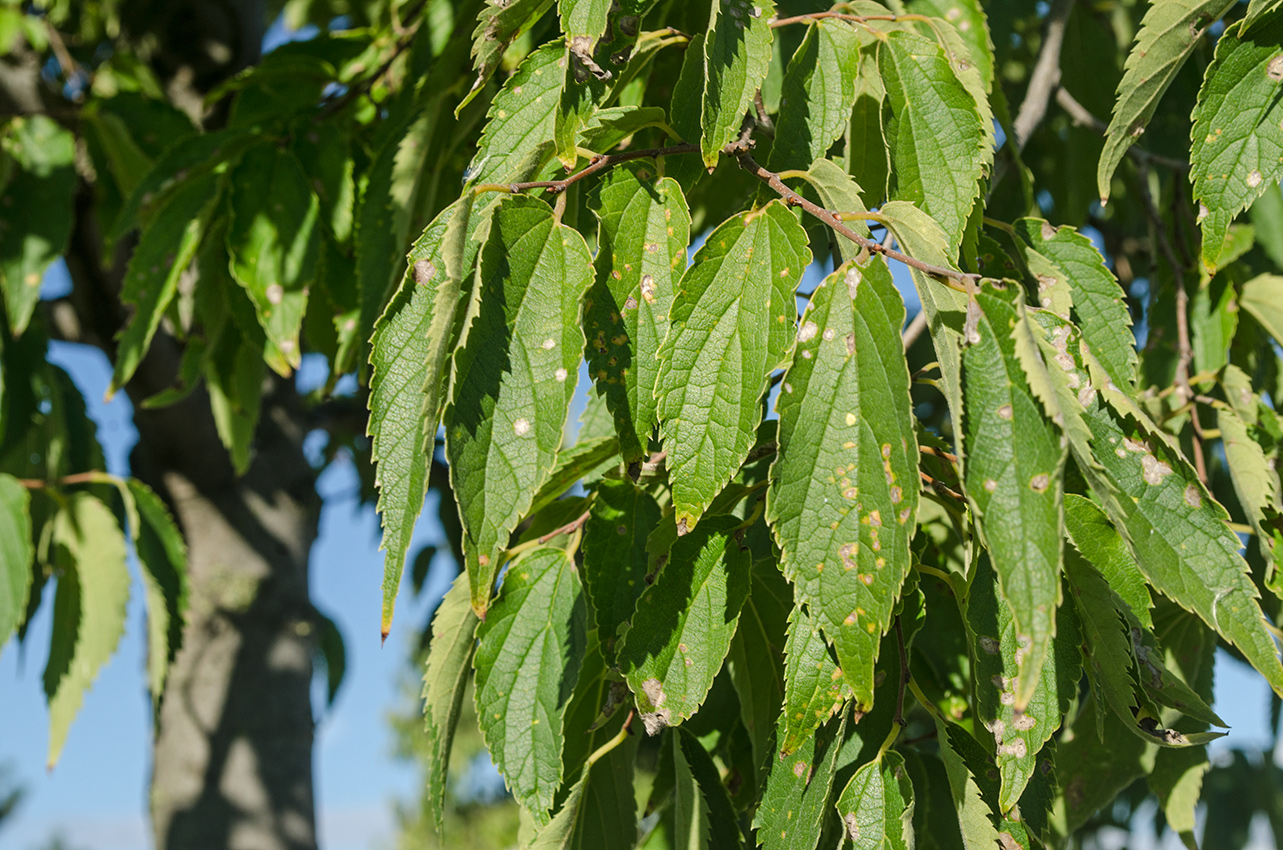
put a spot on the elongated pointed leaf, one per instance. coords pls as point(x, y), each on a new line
point(1014, 483)
point(615, 560)
point(410, 355)
point(1096, 298)
point(1104, 548)
point(819, 91)
point(937, 138)
point(162, 553)
point(1092, 770)
point(814, 687)
point(41, 184)
point(514, 378)
point(756, 656)
point(973, 813)
point(737, 54)
point(877, 805)
point(684, 622)
point(1258, 9)
point(797, 789)
point(274, 241)
point(89, 610)
point(1180, 539)
point(1018, 734)
point(1237, 142)
point(723, 826)
point(599, 811)
point(529, 650)
point(645, 228)
point(734, 308)
point(583, 18)
point(521, 121)
point(968, 18)
point(1255, 482)
point(844, 490)
point(16, 552)
point(444, 678)
point(168, 244)
point(1169, 32)
point(1262, 296)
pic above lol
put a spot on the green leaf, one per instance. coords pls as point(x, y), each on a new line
point(16, 553)
point(723, 826)
point(1014, 482)
point(797, 788)
point(529, 649)
point(615, 562)
point(645, 228)
point(89, 610)
point(519, 131)
point(274, 243)
point(1092, 770)
point(684, 622)
point(325, 152)
point(1071, 261)
point(162, 553)
point(1236, 143)
point(814, 688)
point(1180, 539)
point(1018, 734)
point(844, 486)
point(514, 378)
point(584, 18)
point(838, 191)
point(600, 810)
point(234, 375)
point(41, 184)
point(967, 17)
point(587, 456)
point(168, 244)
point(1169, 32)
point(877, 805)
point(1262, 297)
point(819, 91)
point(936, 135)
point(734, 307)
point(868, 159)
point(444, 679)
point(410, 355)
point(1258, 9)
point(1256, 483)
point(737, 55)
point(973, 813)
point(1095, 537)
point(500, 23)
point(920, 237)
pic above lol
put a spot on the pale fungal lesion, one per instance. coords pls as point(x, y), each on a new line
point(521, 427)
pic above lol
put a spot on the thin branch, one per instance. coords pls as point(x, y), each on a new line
point(70, 67)
point(570, 527)
point(938, 453)
point(357, 89)
point(914, 330)
point(94, 476)
point(940, 488)
point(843, 16)
point(1083, 118)
point(1045, 77)
point(955, 279)
point(904, 675)
point(598, 163)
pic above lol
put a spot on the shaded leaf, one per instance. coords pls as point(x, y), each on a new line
point(737, 54)
point(615, 562)
point(162, 553)
point(444, 678)
point(798, 787)
point(814, 688)
point(16, 553)
point(877, 805)
point(819, 91)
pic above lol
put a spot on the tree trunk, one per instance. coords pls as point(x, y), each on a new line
point(233, 752)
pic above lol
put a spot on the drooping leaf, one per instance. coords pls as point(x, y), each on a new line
point(868, 159)
point(1014, 463)
point(814, 687)
point(797, 788)
point(838, 191)
point(756, 655)
point(1237, 141)
point(1091, 770)
point(162, 553)
point(877, 805)
point(599, 811)
point(937, 138)
point(844, 490)
point(38, 156)
point(1096, 539)
point(529, 649)
point(583, 18)
point(645, 228)
point(723, 826)
point(1169, 32)
point(89, 610)
point(514, 377)
point(615, 562)
point(1255, 482)
point(737, 54)
point(1262, 296)
point(819, 90)
point(16, 552)
point(684, 623)
point(444, 678)
point(234, 374)
point(167, 245)
point(733, 307)
point(968, 18)
point(410, 355)
point(1018, 733)
point(1258, 9)
point(274, 242)
point(973, 814)
point(587, 459)
point(1098, 308)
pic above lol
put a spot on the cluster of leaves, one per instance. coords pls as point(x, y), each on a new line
point(970, 591)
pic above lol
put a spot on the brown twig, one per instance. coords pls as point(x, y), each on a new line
point(904, 674)
point(91, 477)
point(914, 330)
point(70, 67)
point(939, 453)
point(573, 525)
point(599, 163)
point(960, 280)
point(843, 16)
point(357, 89)
point(940, 487)
point(1045, 77)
